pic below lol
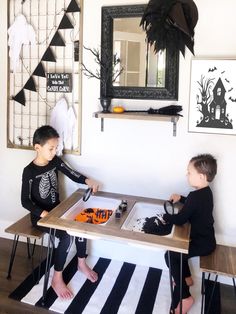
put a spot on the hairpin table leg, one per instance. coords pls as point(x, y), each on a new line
point(51, 238)
point(170, 277)
point(181, 283)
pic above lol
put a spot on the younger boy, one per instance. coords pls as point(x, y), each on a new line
point(40, 195)
point(197, 209)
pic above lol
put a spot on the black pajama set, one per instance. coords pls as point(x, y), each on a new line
point(40, 192)
point(197, 210)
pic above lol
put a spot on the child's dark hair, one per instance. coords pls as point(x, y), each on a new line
point(205, 164)
point(43, 134)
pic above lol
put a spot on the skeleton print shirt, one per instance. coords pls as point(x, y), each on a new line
point(40, 186)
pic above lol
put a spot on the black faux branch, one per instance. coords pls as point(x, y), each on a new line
point(108, 70)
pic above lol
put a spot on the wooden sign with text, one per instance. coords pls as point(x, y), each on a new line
point(59, 82)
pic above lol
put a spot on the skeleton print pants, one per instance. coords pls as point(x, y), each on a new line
point(64, 245)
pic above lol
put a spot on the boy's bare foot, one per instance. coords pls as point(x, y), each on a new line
point(89, 273)
point(60, 287)
point(189, 281)
point(186, 305)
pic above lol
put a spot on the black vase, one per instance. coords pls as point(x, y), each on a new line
point(105, 103)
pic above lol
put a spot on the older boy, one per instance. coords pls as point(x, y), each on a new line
point(40, 195)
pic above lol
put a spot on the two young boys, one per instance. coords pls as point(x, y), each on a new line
point(40, 195)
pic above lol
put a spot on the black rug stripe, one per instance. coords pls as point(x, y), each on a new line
point(149, 292)
point(85, 293)
point(68, 273)
point(119, 289)
point(215, 305)
point(25, 287)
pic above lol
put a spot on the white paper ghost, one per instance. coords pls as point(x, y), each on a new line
point(64, 121)
point(20, 33)
point(70, 132)
point(58, 120)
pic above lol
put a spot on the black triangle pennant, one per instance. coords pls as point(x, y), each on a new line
point(73, 7)
point(65, 23)
point(39, 71)
point(30, 85)
point(20, 97)
point(57, 40)
point(48, 55)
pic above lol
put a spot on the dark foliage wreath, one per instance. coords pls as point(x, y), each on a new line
point(170, 24)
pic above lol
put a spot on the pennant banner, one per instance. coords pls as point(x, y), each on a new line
point(65, 23)
point(57, 40)
point(39, 71)
point(73, 7)
point(48, 55)
point(20, 97)
point(30, 84)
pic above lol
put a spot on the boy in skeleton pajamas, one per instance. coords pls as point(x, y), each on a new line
point(40, 195)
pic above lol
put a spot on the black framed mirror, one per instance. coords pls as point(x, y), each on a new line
point(154, 77)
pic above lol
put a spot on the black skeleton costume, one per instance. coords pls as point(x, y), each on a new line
point(40, 192)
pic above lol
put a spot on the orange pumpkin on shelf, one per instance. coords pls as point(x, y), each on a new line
point(118, 109)
point(94, 215)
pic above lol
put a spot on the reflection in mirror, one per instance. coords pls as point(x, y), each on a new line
point(142, 67)
point(146, 75)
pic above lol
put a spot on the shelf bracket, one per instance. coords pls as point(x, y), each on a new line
point(174, 121)
point(102, 124)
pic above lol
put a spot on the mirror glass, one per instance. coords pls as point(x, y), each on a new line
point(146, 75)
point(142, 67)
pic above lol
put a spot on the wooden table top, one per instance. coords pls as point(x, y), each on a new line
point(112, 230)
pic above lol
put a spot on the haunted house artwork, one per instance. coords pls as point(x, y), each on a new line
point(213, 105)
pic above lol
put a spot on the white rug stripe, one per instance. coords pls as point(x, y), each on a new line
point(75, 285)
point(131, 298)
point(163, 299)
point(37, 291)
point(104, 288)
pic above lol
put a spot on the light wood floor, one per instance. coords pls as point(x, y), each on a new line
point(21, 268)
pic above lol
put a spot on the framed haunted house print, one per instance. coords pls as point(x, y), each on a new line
point(213, 96)
point(44, 78)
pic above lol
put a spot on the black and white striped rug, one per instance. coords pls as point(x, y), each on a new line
point(122, 288)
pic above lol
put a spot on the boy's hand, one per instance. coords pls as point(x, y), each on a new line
point(175, 198)
point(92, 184)
point(44, 213)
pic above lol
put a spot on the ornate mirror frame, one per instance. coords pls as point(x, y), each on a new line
point(169, 92)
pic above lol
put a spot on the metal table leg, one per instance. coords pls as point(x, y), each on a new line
point(48, 262)
point(203, 291)
point(40, 260)
point(234, 284)
point(13, 253)
point(181, 283)
point(212, 293)
point(170, 278)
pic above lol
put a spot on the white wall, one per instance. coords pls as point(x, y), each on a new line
point(136, 157)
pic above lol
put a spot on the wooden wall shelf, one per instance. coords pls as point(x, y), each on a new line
point(137, 116)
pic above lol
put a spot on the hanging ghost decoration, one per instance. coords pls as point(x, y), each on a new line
point(63, 119)
point(170, 24)
point(20, 33)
